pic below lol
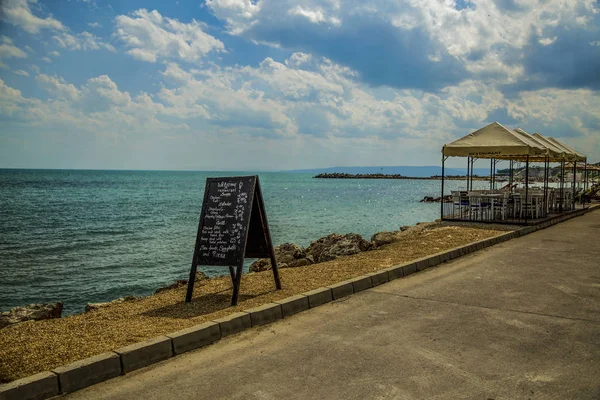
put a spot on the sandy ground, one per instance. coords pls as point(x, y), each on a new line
point(32, 347)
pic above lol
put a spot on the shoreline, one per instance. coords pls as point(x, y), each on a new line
point(340, 175)
point(24, 347)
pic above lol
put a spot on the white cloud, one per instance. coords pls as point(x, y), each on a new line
point(54, 53)
point(10, 51)
point(57, 87)
point(487, 38)
point(82, 41)
point(297, 112)
point(94, 24)
point(7, 50)
point(21, 72)
point(149, 36)
point(47, 59)
point(18, 12)
point(547, 41)
point(315, 16)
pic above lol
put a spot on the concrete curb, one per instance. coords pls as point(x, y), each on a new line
point(88, 372)
point(234, 323)
point(293, 304)
point(341, 289)
point(264, 314)
point(35, 387)
point(379, 277)
point(361, 283)
point(100, 368)
point(195, 337)
point(319, 296)
point(141, 354)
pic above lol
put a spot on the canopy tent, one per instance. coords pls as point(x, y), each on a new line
point(577, 155)
point(552, 152)
point(563, 153)
point(495, 141)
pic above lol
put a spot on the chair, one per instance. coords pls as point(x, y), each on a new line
point(460, 201)
point(478, 206)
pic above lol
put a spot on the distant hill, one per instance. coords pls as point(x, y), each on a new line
point(422, 171)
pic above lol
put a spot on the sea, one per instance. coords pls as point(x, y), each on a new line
point(82, 236)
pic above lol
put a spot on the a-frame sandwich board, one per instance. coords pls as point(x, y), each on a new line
point(233, 225)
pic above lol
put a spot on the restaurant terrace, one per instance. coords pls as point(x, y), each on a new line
point(521, 200)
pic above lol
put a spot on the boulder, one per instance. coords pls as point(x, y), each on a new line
point(32, 312)
point(200, 276)
point(288, 255)
point(381, 238)
point(332, 246)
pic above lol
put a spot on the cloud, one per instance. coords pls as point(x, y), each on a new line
point(47, 59)
point(82, 41)
point(10, 51)
point(7, 50)
point(296, 112)
point(21, 72)
point(94, 24)
point(426, 45)
point(54, 53)
point(149, 36)
point(57, 87)
point(18, 13)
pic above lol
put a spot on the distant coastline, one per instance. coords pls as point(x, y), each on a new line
point(339, 175)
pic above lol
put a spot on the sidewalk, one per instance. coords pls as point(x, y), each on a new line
point(520, 320)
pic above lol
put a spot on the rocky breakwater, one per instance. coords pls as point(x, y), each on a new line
point(32, 312)
point(341, 175)
point(430, 199)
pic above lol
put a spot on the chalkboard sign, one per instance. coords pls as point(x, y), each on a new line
point(233, 225)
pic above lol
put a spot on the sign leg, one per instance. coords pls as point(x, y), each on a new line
point(191, 281)
point(274, 267)
point(236, 283)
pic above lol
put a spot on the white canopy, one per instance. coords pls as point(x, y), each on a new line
point(495, 141)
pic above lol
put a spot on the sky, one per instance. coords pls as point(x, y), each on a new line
point(288, 84)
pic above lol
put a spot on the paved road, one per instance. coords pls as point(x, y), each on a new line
point(520, 320)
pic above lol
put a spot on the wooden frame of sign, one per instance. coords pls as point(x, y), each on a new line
point(233, 225)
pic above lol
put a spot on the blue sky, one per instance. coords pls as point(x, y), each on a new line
point(282, 84)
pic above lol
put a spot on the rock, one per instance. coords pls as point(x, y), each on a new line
point(335, 245)
point(288, 255)
point(96, 306)
point(262, 264)
point(32, 312)
point(381, 238)
point(429, 199)
point(200, 276)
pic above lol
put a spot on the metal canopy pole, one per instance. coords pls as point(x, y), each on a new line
point(526, 187)
point(546, 166)
point(491, 174)
point(442, 198)
point(468, 169)
point(510, 176)
point(574, 184)
point(585, 183)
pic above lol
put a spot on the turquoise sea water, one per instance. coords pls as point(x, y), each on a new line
point(91, 236)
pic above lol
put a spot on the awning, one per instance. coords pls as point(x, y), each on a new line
point(552, 152)
point(577, 155)
point(495, 141)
